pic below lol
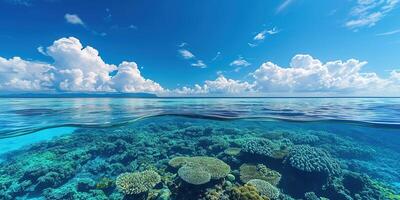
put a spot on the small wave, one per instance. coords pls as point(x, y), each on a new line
point(219, 117)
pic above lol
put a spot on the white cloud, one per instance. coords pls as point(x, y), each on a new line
point(41, 50)
point(199, 63)
point(219, 86)
point(389, 32)
point(216, 56)
point(307, 74)
point(283, 5)
point(395, 76)
point(17, 74)
point(73, 19)
point(261, 35)
point(75, 68)
point(129, 79)
point(369, 12)
point(183, 44)
point(240, 62)
point(79, 68)
point(186, 54)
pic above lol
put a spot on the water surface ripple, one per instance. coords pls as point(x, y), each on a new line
point(25, 116)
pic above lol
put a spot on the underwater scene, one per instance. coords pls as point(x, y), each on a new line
point(200, 148)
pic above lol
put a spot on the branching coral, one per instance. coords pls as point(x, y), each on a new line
point(265, 188)
point(138, 182)
point(246, 192)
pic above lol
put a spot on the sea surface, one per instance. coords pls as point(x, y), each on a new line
point(200, 148)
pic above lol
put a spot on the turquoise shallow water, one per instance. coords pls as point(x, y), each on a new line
point(217, 148)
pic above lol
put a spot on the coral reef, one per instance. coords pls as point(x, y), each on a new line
point(265, 188)
point(232, 151)
point(137, 182)
point(246, 192)
point(259, 171)
point(193, 174)
point(311, 159)
point(179, 158)
point(215, 167)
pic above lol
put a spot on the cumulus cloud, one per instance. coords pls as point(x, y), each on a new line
point(79, 68)
point(129, 79)
point(75, 68)
point(367, 13)
point(186, 54)
point(17, 74)
point(73, 19)
point(307, 74)
point(219, 86)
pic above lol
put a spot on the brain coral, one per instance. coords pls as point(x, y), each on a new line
point(265, 188)
point(311, 159)
point(216, 167)
point(138, 182)
point(260, 171)
point(194, 175)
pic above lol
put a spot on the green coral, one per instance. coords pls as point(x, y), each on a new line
point(265, 188)
point(260, 171)
point(312, 159)
point(276, 149)
point(215, 167)
point(138, 182)
point(104, 183)
point(246, 192)
point(232, 151)
point(194, 175)
point(178, 161)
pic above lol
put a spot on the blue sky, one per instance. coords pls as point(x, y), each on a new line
point(224, 47)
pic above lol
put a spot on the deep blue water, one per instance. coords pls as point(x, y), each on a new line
point(360, 135)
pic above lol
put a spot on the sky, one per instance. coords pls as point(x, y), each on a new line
point(201, 48)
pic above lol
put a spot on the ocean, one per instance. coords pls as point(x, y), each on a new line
point(200, 148)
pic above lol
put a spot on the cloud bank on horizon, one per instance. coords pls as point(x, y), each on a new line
point(76, 68)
